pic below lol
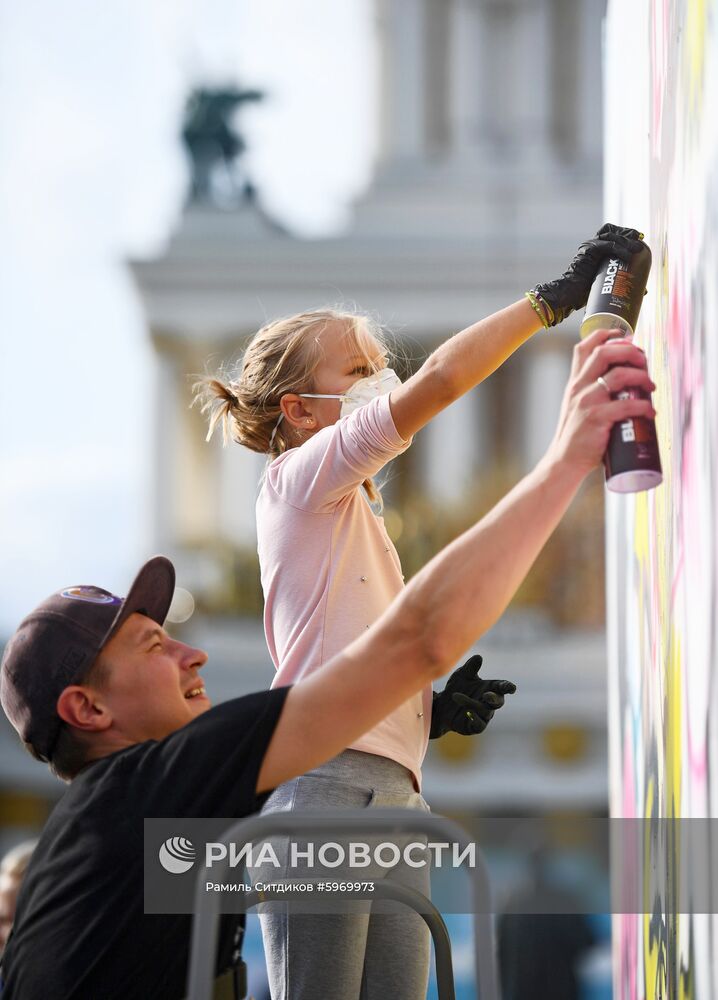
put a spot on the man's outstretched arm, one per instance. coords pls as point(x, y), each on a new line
point(463, 590)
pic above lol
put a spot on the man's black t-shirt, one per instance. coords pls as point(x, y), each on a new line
point(80, 931)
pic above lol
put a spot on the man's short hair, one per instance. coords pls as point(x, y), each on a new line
point(69, 754)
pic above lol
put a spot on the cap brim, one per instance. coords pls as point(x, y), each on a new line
point(150, 594)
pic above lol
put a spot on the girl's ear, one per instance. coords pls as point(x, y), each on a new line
point(296, 411)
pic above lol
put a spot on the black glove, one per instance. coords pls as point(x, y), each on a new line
point(570, 291)
point(467, 704)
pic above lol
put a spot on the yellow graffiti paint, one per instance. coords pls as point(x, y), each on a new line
point(673, 728)
point(651, 944)
point(694, 46)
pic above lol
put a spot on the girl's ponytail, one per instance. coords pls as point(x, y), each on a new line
point(217, 401)
point(240, 414)
point(280, 358)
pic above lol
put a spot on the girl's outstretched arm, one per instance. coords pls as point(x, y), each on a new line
point(460, 364)
point(473, 354)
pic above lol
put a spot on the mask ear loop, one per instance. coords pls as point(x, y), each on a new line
point(274, 432)
point(312, 395)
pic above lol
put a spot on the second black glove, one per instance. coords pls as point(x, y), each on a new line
point(467, 703)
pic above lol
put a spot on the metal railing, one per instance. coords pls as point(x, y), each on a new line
point(255, 828)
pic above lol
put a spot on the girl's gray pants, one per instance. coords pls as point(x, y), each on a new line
point(356, 955)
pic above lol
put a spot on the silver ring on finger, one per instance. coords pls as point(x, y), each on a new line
point(601, 381)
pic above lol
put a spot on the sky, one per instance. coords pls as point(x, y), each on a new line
point(92, 174)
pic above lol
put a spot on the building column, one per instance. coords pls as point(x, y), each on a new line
point(196, 463)
point(589, 76)
point(500, 86)
point(530, 60)
point(401, 32)
point(545, 370)
point(576, 29)
point(165, 451)
point(240, 471)
point(454, 448)
point(466, 89)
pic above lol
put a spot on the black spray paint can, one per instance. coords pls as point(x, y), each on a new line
point(632, 460)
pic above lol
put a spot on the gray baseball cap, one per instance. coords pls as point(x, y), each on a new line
point(57, 643)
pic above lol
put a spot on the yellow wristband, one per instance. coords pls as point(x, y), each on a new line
point(536, 305)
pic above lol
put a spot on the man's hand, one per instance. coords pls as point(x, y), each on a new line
point(467, 703)
point(589, 409)
point(570, 291)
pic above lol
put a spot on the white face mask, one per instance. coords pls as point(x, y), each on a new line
point(362, 391)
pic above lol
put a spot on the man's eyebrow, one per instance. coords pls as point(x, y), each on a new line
point(152, 632)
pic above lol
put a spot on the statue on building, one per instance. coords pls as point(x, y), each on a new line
point(216, 146)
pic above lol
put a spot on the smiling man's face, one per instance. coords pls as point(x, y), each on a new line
point(153, 685)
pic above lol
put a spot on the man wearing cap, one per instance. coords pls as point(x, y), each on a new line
point(95, 686)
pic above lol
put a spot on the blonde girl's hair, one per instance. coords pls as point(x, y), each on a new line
point(280, 358)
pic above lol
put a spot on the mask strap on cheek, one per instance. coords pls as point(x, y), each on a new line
point(313, 395)
point(323, 395)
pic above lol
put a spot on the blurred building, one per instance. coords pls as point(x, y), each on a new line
point(488, 176)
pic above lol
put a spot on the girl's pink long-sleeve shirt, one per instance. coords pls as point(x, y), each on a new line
point(328, 567)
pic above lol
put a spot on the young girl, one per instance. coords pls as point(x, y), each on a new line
point(315, 393)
